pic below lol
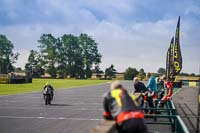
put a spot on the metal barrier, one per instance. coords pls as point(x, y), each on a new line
point(180, 126)
point(7, 79)
point(169, 113)
point(176, 123)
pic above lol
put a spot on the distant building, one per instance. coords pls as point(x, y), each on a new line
point(119, 76)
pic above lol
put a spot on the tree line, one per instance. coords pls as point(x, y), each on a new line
point(130, 73)
point(7, 56)
point(66, 56)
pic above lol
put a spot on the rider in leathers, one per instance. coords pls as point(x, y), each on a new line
point(120, 106)
point(51, 89)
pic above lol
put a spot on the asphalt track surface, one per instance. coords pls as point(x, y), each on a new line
point(76, 110)
point(186, 104)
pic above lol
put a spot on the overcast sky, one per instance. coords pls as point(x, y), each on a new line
point(129, 33)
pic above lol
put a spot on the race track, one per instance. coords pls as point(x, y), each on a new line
point(76, 110)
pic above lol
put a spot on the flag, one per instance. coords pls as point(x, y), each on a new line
point(177, 60)
point(169, 60)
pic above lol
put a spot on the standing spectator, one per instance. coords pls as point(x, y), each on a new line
point(152, 86)
point(141, 88)
point(161, 88)
point(169, 92)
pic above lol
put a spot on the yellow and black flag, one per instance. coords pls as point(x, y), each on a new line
point(177, 60)
point(169, 60)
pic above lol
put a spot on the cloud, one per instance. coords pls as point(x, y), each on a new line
point(129, 33)
point(134, 41)
point(193, 9)
point(143, 44)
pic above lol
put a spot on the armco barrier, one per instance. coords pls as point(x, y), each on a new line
point(3, 80)
point(20, 80)
point(192, 83)
point(7, 79)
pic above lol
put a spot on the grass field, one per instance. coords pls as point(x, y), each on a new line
point(37, 85)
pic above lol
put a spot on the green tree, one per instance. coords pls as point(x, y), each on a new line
point(192, 74)
point(34, 66)
point(7, 57)
point(18, 69)
point(184, 74)
point(90, 54)
point(110, 72)
point(70, 56)
point(48, 47)
point(161, 71)
point(97, 71)
point(130, 73)
point(141, 74)
point(155, 74)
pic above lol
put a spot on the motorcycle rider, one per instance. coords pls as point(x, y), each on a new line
point(49, 86)
point(121, 106)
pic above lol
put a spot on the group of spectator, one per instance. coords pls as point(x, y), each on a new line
point(121, 106)
point(155, 93)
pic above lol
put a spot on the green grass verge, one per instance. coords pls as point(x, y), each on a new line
point(37, 85)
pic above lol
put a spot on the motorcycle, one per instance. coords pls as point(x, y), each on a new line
point(47, 95)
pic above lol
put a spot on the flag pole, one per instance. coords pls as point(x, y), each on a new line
point(177, 57)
